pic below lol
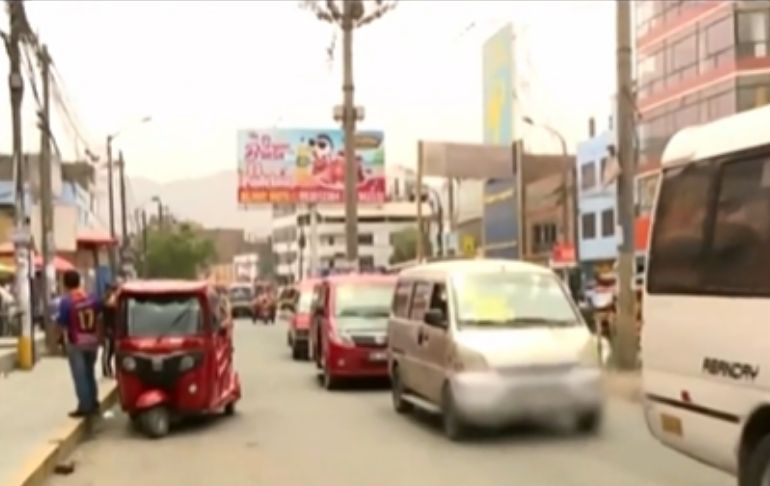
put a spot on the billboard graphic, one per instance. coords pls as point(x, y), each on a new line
point(307, 166)
point(498, 87)
point(500, 199)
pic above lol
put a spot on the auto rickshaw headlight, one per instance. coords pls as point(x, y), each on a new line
point(129, 363)
point(187, 363)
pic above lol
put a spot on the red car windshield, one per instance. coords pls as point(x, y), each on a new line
point(155, 316)
point(363, 300)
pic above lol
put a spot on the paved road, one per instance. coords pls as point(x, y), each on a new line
point(289, 432)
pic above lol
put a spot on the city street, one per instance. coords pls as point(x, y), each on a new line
point(290, 432)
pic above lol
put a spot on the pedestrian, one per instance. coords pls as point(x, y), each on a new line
point(80, 320)
point(109, 314)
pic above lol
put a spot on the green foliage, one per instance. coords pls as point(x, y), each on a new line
point(177, 252)
point(267, 261)
point(404, 245)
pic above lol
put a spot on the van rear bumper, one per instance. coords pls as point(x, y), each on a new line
point(491, 398)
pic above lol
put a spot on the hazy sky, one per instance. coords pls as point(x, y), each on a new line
point(203, 69)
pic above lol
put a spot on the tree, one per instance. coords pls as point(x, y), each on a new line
point(267, 260)
point(177, 252)
point(404, 244)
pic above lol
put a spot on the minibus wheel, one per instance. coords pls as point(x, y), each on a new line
point(757, 472)
point(397, 392)
point(454, 428)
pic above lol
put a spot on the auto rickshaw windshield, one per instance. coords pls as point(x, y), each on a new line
point(155, 315)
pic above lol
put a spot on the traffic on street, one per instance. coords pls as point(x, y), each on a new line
point(289, 431)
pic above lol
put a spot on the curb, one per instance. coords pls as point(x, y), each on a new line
point(61, 444)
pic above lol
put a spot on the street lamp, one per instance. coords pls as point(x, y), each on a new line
point(157, 200)
point(569, 188)
point(110, 190)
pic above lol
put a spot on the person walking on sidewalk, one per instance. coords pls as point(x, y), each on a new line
point(108, 319)
point(79, 316)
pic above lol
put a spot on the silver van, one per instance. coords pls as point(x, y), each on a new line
point(489, 342)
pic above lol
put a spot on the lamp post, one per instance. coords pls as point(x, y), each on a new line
point(111, 192)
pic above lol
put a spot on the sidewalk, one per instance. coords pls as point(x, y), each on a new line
point(34, 426)
point(624, 384)
point(8, 351)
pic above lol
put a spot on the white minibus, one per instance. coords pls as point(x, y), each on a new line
point(706, 364)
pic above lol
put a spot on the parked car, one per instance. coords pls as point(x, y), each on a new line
point(348, 326)
point(490, 342)
point(299, 321)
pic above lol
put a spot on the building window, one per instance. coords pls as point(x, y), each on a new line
point(753, 33)
point(750, 97)
point(365, 239)
point(608, 222)
point(588, 176)
point(603, 173)
point(717, 44)
point(366, 262)
point(543, 237)
point(588, 226)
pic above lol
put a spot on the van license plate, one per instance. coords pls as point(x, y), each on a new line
point(378, 356)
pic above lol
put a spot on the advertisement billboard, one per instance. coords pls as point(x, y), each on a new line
point(500, 200)
point(307, 166)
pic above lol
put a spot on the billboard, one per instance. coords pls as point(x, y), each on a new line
point(307, 166)
point(500, 198)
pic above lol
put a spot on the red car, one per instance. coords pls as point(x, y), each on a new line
point(299, 323)
point(348, 332)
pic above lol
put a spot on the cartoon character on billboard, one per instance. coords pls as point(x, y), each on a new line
point(328, 165)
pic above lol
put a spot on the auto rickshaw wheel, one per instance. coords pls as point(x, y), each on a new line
point(230, 409)
point(156, 422)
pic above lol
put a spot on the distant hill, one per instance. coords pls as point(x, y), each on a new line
point(210, 201)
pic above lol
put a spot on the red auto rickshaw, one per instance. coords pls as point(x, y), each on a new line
point(174, 353)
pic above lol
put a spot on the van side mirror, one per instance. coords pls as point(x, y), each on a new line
point(435, 317)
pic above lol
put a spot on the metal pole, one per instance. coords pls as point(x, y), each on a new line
point(111, 206)
point(419, 251)
point(313, 263)
point(349, 125)
point(22, 237)
point(625, 342)
point(46, 203)
point(518, 174)
point(145, 260)
point(123, 207)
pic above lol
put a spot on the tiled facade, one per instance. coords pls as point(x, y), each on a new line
point(697, 61)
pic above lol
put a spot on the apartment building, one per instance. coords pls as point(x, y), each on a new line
point(376, 226)
point(697, 61)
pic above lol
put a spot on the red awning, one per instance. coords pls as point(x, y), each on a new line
point(641, 233)
point(95, 238)
point(59, 264)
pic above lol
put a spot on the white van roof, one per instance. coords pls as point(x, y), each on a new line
point(726, 135)
point(475, 265)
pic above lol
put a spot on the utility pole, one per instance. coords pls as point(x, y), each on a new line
point(349, 126)
point(46, 196)
point(22, 237)
point(123, 207)
point(352, 16)
point(111, 206)
point(145, 261)
point(625, 343)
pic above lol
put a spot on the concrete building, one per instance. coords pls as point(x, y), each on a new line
point(548, 205)
point(697, 61)
point(376, 226)
point(597, 200)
